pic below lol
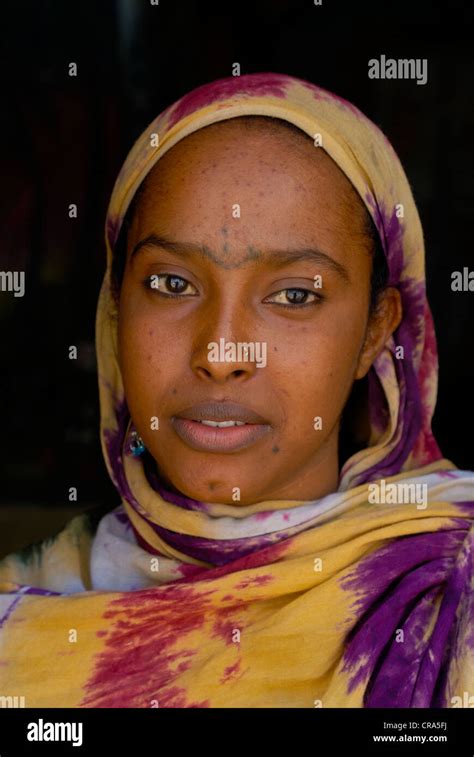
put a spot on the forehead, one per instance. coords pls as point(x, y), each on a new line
point(257, 142)
point(272, 170)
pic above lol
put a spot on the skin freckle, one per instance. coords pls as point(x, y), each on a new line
point(311, 205)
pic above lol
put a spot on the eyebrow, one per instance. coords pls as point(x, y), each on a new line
point(277, 258)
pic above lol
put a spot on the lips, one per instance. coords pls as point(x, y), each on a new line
point(223, 438)
point(221, 411)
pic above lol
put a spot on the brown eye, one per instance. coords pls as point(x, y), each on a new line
point(175, 284)
point(296, 296)
point(168, 284)
point(292, 297)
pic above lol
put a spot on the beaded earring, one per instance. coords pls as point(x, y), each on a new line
point(136, 446)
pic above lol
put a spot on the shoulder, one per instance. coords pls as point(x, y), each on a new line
point(61, 561)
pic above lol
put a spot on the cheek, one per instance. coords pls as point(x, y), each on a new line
point(314, 366)
point(143, 344)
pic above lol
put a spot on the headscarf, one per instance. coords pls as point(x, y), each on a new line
point(344, 601)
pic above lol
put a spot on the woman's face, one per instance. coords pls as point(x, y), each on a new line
point(247, 282)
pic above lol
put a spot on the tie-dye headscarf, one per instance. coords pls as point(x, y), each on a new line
point(341, 602)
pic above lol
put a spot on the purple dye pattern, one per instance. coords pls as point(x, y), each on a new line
point(217, 552)
point(398, 681)
point(379, 222)
point(411, 407)
point(257, 85)
point(123, 518)
point(214, 551)
point(457, 595)
point(393, 231)
point(469, 592)
point(256, 559)
point(430, 668)
point(413, 293)
point(408, 571)
point(413, 301)
point(262, 558)
point(114, 439)
point(176, 499)
point(20, 593)
point(374, 574)
point(378, 407)
point(391, 236)
point(465, 506)
point(10, 607)
point(411, 410)
point(113, 228)
point(44, 592)
point(144, 544)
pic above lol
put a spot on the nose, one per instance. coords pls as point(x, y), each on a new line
point(225, 352)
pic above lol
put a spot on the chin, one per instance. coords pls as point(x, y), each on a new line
point(210, 490)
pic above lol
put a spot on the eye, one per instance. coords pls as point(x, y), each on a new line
point(169, 285)
point(295, 297)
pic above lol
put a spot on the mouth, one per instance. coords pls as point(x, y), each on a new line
point(219, 427)
point(222, 424)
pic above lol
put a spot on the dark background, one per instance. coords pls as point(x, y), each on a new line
point(64, 140)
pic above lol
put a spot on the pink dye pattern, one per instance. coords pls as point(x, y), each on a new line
point(261, 558)
point(426, 449)
point(188, 570)
point(324, 94)
point(263, 515)
point(254, 581)
point(230, 673)
point(260, 84)
point(225, 625)
point(138, 662)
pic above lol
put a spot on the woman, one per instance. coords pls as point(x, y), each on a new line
point(289, 534)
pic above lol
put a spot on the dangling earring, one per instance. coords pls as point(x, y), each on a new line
point(136, 445)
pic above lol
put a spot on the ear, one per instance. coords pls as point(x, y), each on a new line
point(381, 325)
